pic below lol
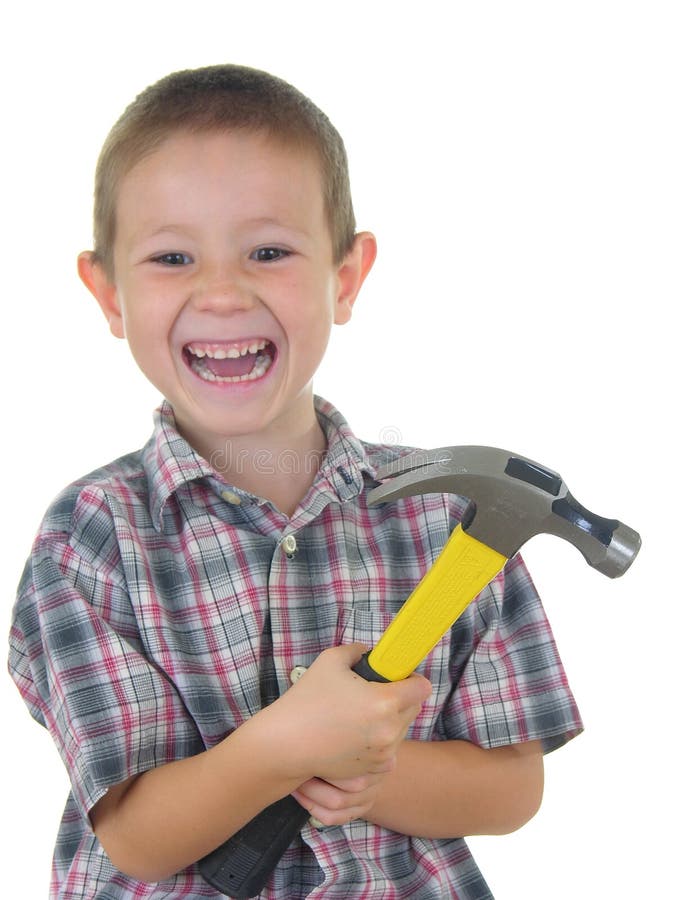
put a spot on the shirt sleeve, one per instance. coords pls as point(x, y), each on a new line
point(77, 660)
point(508, 682)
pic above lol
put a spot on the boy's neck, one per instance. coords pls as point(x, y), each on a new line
point(276, 468)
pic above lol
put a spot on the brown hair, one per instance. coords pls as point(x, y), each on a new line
point(219, 98)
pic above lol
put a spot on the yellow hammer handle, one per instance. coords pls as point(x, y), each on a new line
point(463, 569)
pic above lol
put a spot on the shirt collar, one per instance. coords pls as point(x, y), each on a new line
point(170, 462)
point(346, 461)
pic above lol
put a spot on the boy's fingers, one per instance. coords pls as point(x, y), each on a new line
point(332, 804)
point(383, 768)
point(412, 691)
point(356, 785)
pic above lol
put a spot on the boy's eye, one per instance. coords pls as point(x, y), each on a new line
point(172, 259)
point(268, 254)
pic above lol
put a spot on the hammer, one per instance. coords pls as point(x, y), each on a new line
point(511, 500)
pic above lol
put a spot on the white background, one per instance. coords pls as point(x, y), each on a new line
point(515, 160)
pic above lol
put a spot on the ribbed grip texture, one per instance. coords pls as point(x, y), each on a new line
point(241, 866)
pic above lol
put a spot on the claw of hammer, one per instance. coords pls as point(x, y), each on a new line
point(512, 499)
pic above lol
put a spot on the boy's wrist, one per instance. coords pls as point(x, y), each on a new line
point(265, 748)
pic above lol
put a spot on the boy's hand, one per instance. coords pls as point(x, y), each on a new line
point(340, 802)
point(334, 725)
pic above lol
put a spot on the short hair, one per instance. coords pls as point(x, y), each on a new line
point(215, 98)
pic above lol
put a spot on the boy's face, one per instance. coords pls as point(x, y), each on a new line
point(224, 285)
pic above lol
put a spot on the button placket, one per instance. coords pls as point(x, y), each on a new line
point(286, 579)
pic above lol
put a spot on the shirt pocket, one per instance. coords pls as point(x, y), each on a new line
point(366, 626)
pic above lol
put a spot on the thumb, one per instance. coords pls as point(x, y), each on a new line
point(413, 690)
point(350, 654)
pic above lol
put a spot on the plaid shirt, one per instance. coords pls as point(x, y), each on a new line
point(160, 610)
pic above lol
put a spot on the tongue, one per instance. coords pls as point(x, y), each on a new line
point(229, 368)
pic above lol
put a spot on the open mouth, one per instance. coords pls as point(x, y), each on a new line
point(246, 361)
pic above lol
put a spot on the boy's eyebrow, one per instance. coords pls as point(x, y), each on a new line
point(271, 220)
point(146, 233)
point(257, 222)
point(162, 228)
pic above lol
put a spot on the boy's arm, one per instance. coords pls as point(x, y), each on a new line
point(455, 788)
point(161, 821)
point(441, 789)
point(331, 723)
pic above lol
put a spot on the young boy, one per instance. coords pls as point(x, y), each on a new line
point(174, 597)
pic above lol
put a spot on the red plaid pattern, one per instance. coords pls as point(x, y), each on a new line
point(159, 610)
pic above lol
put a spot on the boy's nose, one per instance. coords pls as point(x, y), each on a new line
point(223, 293)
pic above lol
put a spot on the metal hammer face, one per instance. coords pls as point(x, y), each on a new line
point(512, 499)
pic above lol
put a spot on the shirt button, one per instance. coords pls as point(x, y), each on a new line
point(231, 497)
point(289, 545)
point(296, 673)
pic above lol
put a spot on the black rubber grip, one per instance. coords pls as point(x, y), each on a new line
point(364, 669)
point(241, 866)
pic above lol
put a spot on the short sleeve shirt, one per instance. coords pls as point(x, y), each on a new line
point(162, 607)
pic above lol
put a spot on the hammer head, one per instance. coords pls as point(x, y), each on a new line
point(512, 499)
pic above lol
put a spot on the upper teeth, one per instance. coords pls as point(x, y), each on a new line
point(227, 352)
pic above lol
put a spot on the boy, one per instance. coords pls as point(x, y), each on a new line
point(174, 597)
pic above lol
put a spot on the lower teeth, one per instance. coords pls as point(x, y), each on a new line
point(200, 367)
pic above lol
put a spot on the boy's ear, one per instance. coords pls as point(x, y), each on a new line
point(94, 277)
point(352, 272)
